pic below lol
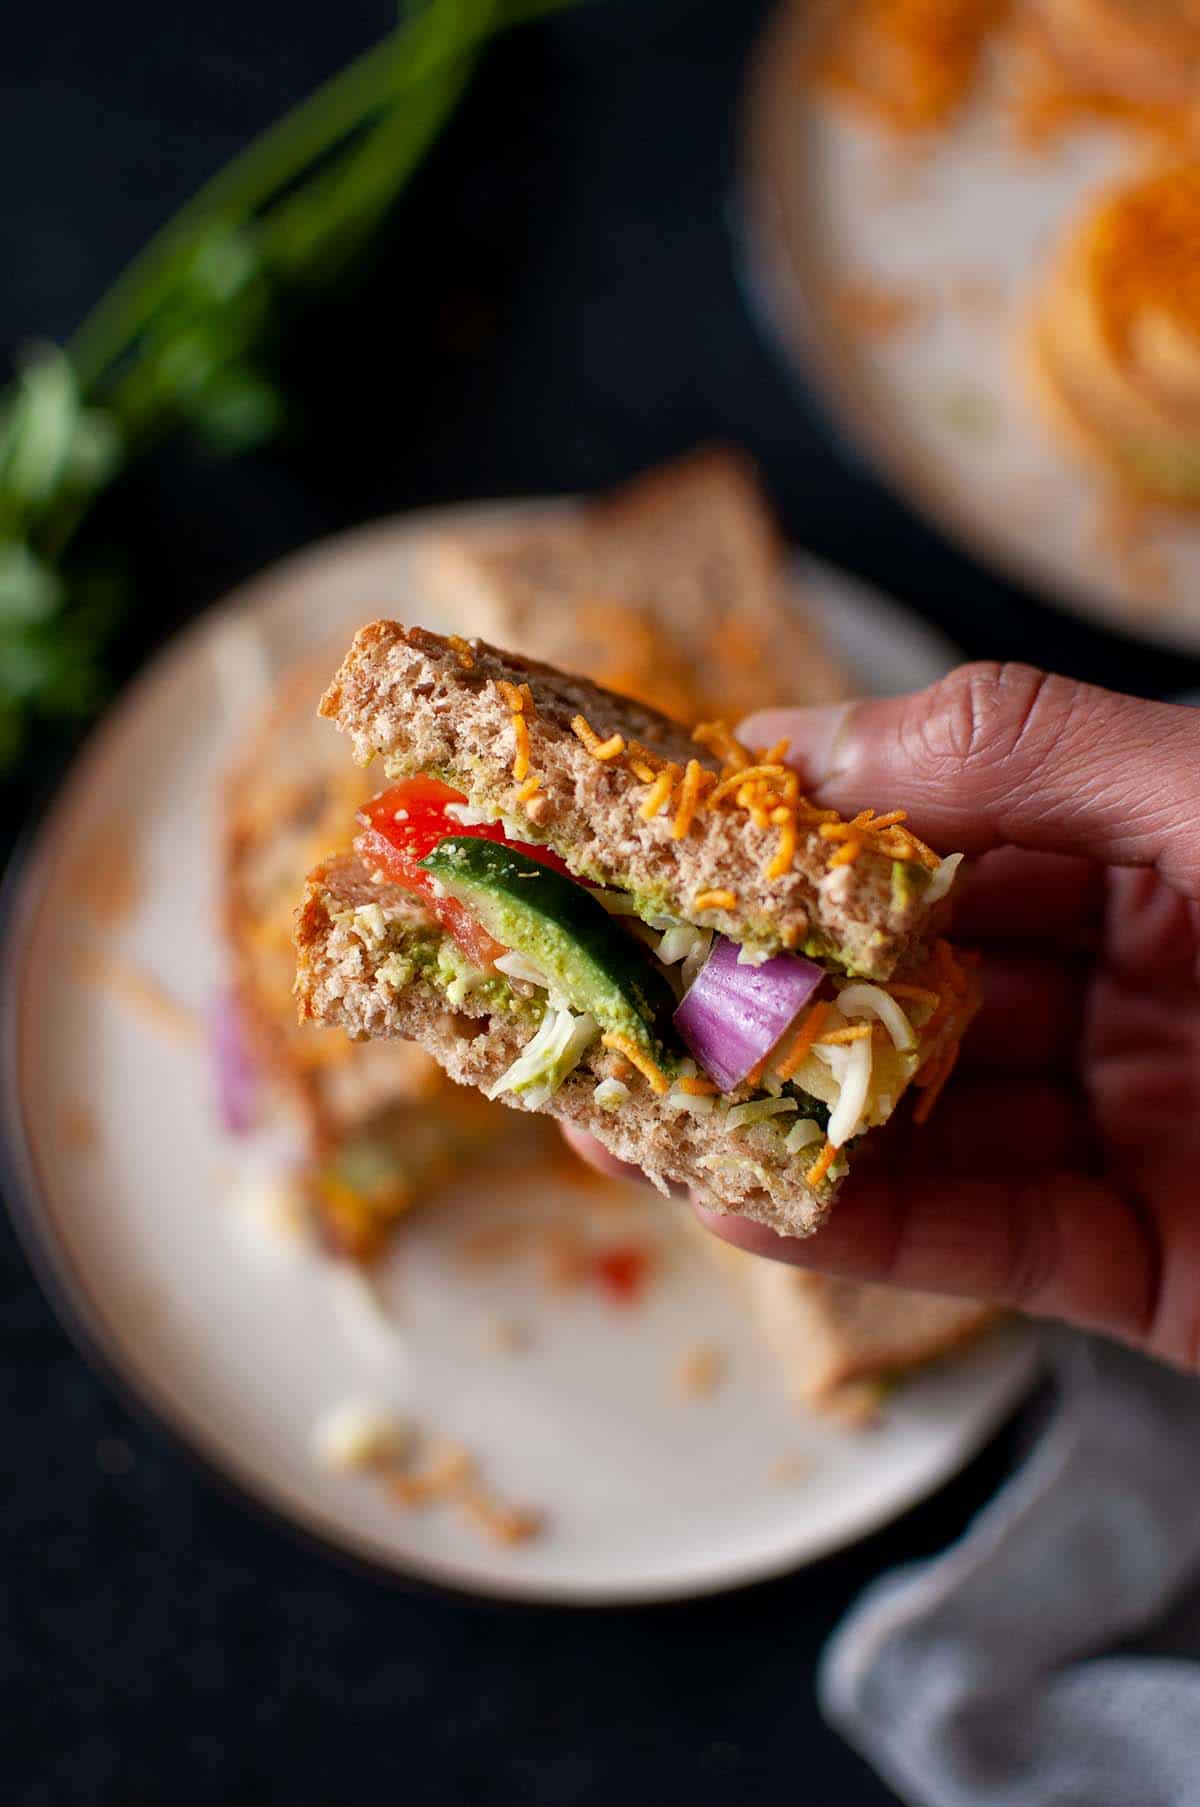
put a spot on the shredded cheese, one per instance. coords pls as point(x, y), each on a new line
point(608, 749)
point(732, 784)
point(520, 769)
point(716, 737)
point(624, 1044)
point(520, 703)
point(530, 788)
point(839, 1037)
point(785, 854)
point(463, 653)
point(715, 900)
point(659, 793)
point(697, 1087)
point(583, 731)
point(690, 792)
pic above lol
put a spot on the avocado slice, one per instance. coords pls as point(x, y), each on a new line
point(597, 966)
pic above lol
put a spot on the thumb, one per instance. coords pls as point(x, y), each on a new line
point(1006, 755)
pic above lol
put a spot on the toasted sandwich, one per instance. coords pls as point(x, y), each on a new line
point(580, 908)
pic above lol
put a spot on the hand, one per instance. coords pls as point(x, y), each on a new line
point(1061, 1171)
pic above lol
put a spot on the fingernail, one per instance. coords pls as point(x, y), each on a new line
point(821, 738)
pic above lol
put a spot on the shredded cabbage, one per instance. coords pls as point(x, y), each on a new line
point(943, 878)
point(695, 1104)
point(520, 966)
point(618, 904)
point(872, 1000)
point(741, 1116)
point(556, 1050)
point(680, 942)
point(803, 1135)
point(847, 1113)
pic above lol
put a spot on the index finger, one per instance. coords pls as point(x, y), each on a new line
point(998, 755)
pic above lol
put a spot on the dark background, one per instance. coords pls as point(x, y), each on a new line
point(556, 302)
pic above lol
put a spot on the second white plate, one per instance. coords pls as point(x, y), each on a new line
point(841, 217)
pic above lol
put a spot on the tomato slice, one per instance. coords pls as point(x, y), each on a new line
point(403, 824)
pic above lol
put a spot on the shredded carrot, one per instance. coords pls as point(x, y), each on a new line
point(659, 793)
point(934, 1085)
point(821, 1165)
point(809, 1030)
point(511, 695)
point(466, 657)
point(949, 968)
point(715, 900)
point(699, 1087)
point(754, 1077)
point(623, 1044)
point(530, 788)
point(776, 754)
point(847, 853)
point(858, 1032)
point(689, 797)
point(920, 994)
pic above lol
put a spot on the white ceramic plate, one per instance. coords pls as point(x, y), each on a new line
point(239, 1341)
point(944, 405)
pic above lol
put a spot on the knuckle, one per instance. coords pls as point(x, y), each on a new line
point(989, 714)
point(1032, 1256)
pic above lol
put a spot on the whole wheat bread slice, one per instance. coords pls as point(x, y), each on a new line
point(673, 590)
point(342, 981)
point(346, 978)
point(428, 706)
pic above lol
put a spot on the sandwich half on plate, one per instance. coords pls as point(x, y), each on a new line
point(580, 908)
point(675, 589)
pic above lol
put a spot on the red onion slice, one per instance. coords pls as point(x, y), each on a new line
point(733, 1015)
point(235, 1077)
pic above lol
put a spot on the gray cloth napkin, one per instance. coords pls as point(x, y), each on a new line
point(980, 1679)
